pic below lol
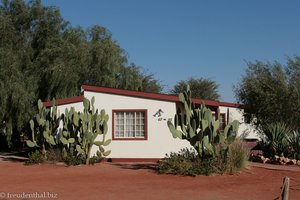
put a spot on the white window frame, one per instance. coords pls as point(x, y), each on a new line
point(126, 135)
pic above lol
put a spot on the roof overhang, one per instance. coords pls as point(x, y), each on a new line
point(137, 94)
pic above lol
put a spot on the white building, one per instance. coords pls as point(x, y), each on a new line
point(138, 121)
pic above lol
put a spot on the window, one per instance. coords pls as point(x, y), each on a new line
point(222, 121)
point(129, 124)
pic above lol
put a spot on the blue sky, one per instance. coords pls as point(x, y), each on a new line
point(177, 39)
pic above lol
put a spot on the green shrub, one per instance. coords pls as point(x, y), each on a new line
point(178, 163)
point(221, 157)
point(54, 155)
point(186, 163)
point(95, 159)
point(294, 144)
point(74, 160)
point(35, 157)
point(230, 158)
point(205, 166)
point(274, 141)
point(238, 156)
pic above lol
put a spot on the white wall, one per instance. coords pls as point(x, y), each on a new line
point(246, 131)
point(78, 107)
point(160, 140)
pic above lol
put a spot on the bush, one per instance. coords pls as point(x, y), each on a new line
point(178, 163)
point(95, 159)
point(54, 155)
point(74, 160)
point(230, 158)
point(35, 157)
point(221, 158)
point(274, 141)
point(205, 166)
point(294, 144)
point(238, 156)
point(186, 163)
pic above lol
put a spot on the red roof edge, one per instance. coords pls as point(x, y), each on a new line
point(156, 96)
point(64, 101)
point(132, 93)
point(234, 105)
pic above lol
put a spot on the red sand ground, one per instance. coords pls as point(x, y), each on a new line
point(140, 181)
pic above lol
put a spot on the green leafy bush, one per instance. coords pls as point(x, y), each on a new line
point(238, 156)
point(35, 157)
point(186, 162)
point(230, 158)
point(205, 166)
point(74, 160)
point(221, 157)
point(178, 163)
point(54, 155)
point(95, 159)
point(294, 144)
point(274, 140)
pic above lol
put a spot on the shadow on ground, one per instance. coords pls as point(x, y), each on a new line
point(14, 156)
point(138, 166)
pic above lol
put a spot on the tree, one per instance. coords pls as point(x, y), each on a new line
point(201, 88)
point(133, 78)
point(106, 58)
point(42, 56)
point(271, 92)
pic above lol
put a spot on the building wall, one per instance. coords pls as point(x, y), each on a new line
point(159, 139)
point(246, 131)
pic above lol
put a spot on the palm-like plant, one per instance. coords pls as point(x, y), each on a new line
point(294, 142)
point(276, 140)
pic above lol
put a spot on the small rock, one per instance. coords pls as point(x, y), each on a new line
point(281, 158)
point(292, 162)
point(267, 160)
point(286, 160)
point(281, 163)
point(262, 159)
point(275, 160)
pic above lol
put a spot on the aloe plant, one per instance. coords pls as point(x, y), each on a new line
point(275, 141)
point(294, 142)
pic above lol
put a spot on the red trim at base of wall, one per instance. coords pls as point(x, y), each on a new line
point(151, 160)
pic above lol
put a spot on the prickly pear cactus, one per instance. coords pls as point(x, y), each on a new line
point(44, 127)
point(92, 125)
point(198, 127)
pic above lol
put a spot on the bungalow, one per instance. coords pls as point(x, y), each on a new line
point(138, 120)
